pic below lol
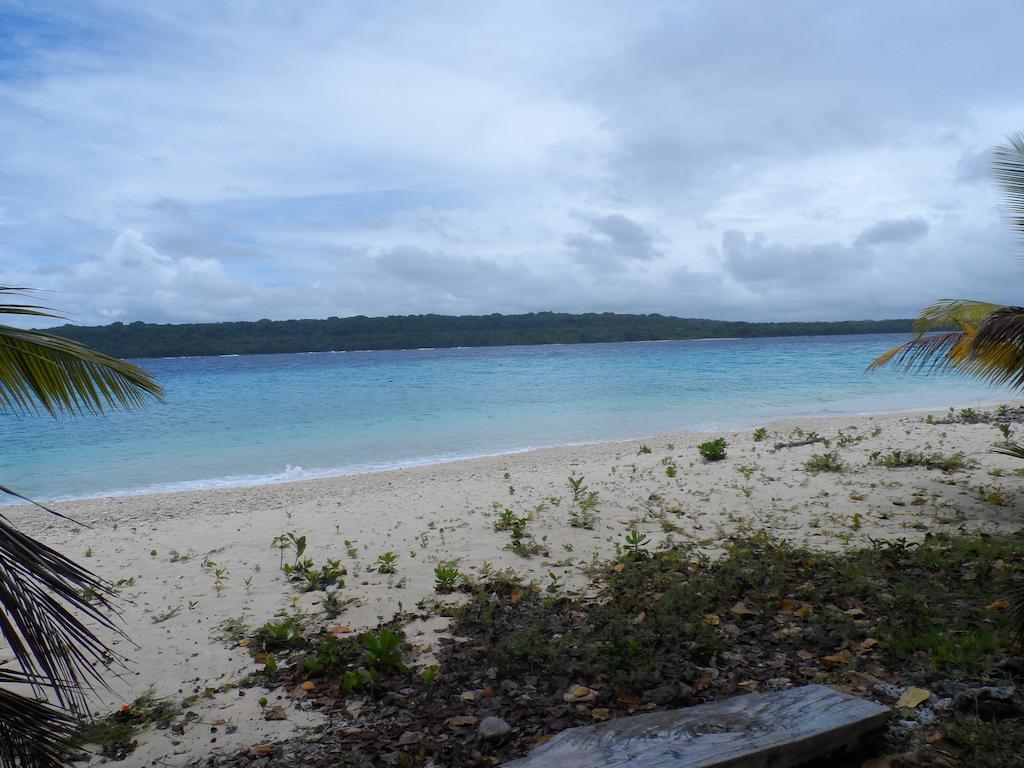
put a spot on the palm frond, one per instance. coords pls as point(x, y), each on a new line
point(1009, 449)
point(1008, 165)
point(33, 502)
point(957, 321)
point(21, 308)
point(38, 369)
point(41, 370)
point(1004, 327)
point(930, 352)
point(46, 598)
point(949, 314)
point(33, 733)
point(997, 349)
point(42, 595)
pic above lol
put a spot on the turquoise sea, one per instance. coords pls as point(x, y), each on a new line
point(269, 418)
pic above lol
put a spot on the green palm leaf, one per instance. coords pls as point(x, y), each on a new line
point(41, 371)
point(43, 594)
point(953, 313)
point(1008, 164)
point(924, 352)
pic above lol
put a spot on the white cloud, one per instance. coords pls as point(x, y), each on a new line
point(237, 160)
point(132, 280)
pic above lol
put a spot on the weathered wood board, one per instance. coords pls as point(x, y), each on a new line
point(785, 728)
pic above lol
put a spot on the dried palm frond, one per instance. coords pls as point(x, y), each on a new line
point(33, 733)
point(39, 589)
point(43, 596)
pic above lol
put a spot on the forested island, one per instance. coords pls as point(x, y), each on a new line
point(138, 339)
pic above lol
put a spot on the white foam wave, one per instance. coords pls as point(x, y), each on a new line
point(290, 474)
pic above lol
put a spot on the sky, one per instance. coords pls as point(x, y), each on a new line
point(205, 161)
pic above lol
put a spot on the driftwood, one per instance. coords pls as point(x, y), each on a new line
point(795, 443)
point(780, 729)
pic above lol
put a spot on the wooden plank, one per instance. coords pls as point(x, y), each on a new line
point(780, 729)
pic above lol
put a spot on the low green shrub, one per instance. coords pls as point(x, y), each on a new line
point(946, 462)
point(713, 450)
point(824, 462)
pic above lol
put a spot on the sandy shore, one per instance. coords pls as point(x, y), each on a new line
point(175, 610)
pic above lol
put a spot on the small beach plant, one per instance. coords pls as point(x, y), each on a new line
point(636, 543)
point(220, 576)
point(713, 450)
point(429, 676)
point(760, 434)
point(844, 440)
point(509, 521)
point(583, 513)
point(289, 540)
point(328, 657)
point(280, 634)
point(518, 529)
point(382, 652)
point(445, 577)
point(386, 562)
point(824, 462)
point(312, 579)
point(577, 487)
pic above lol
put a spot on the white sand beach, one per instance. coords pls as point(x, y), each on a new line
point(175, 607)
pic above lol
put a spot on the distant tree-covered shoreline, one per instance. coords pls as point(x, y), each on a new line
point(134, 340)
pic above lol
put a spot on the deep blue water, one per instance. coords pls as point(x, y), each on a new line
point(261, 418)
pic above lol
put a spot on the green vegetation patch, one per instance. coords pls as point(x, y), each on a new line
point(116, 734)
point(952, 462)
point(713, 450)
point(662, 617)
point(825, 462)
point(676, 627)
point(987, 743)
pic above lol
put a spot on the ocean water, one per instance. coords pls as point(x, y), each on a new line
point(265, 418)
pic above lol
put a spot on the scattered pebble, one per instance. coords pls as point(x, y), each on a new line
point(493, 728)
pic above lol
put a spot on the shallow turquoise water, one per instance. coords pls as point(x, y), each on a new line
point(264, 418)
